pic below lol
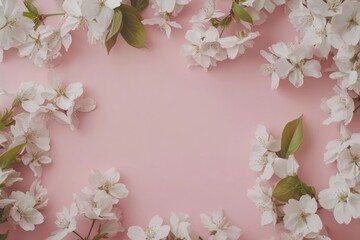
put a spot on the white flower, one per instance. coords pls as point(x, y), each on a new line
point(236, 45)
point(92, 209)
point(301, 18)
point(205, 48)
point(342, 198)
point(340, 107)
point(264, 141)
point(155, 230)
point(80, 105)
point(263, 163)
point(327, 8)
point(30, 130)
point(107, 185)
point(169, 6)
point(300, 216)
point(219, 226)
point(51, 111)
point(347, 60)
point(29, 96)
point(286, 167)
point(39, 193)
point(8, 177)
point(319, 36)
point(347, 24)
point(100, 10)
point(22, 210)
point(296, 64)
point(35, 158)
point(269, 68)
point(62, 96)
point(207, 12)
point(180, 226)
point(335, 147)
point(110, 228)
point(261, 195)
point(14, 27)
point(348, 162)
point(164, 24)
point(66, 222)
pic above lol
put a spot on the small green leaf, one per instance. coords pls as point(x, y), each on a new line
point(140, 5)
point(291, 187)
point(114, 30)
point(2, 215)
point(132, 29)
point(98, 236)
point(4, 236)
point(8, 157)
point(30, 15)
point(241, 13)
point(2, 126)
point(291, 138)
point(31, 7)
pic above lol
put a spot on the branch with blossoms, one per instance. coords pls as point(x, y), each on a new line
point(24, 138)
point(290, 201)
point(25, 28)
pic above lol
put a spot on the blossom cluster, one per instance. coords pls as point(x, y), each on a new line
point(180, 228)
point(291, 201)
point(207, 43)
point(97, 203)
point(164, 10)
point(24, 138)
point(24, 28)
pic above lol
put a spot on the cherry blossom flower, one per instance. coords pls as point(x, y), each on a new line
point(263, 163)
point(100, 10)
point(269, 68)
point(62, 96)
point(14, 27)
point(348, 162)
point(50, 111)
point(22, 210)
point(236, 45)
point(39, 193)
point(219, 227)
point(343, 198)
point(205, 48)
point(66, 222)
point(301, 17)
point(164, 24)
point(180, 226)
point(30, 130)
point(327, 8)
point(335, 147)
point(107, 185)
point(340, 107)
point(35, 158)
point(300, 216)
point(80, 105)
point(8, 177)
point(286, 167)
point(29, 96)
point(318, 35)
point(347, 24)
point(207, 12)
point(110, 228)
point(169, 6)
point(155, 230)
point(261, 195)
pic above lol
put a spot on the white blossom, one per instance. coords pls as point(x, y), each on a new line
point(164, 24)
point(343, 198)
point(155, 230)
point(207, 13)
point(180, 226)
point(236, 45)
point(8, 177)
point(39, 193)
point(340, 107)
point(29, 96)
point(92, 209)
point(286, 167)
point(219, 226)
point(80, 105)
point(327, 8)
point(66, 222)
point(110, 228)
point(348, 162)
point(35, 158)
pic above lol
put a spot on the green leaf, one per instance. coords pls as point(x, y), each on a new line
point(291, 187)
point(31, 7)
point(140, 5)
point(114, 30)
point(3, 217)
point(4, 236)
point(2, 126)
point(98, 236)
point(132, 29)
point(241, 13)
point(8, 157)
point(30, 15)
point(291, 138)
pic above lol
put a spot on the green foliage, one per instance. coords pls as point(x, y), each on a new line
point(32, 13)
point(241, 13)
point(291, 138)
point(8, 157)
point(132, 29)
point(291, 187)
point(140, 5)
point(115, 29)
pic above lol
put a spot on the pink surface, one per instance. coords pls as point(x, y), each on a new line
point(180, 137)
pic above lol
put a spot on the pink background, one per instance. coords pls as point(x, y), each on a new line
point(180, 137)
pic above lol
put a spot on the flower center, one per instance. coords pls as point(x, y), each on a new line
point(150, 233)
point(352, 23)
point(303, 216)
point(342, 196)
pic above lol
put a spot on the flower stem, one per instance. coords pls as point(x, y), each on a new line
point(78, 235)
point(52, 14)
point(356, 108)
point(91, 228)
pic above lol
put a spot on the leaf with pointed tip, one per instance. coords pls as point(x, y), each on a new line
point(133, 30)
point(291, 138)
point(8, 157)
point(241, 13)
point(114, 30)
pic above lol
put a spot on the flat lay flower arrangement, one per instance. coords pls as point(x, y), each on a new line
point(327, 43)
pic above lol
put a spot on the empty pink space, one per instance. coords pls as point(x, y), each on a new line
point(180, 137)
